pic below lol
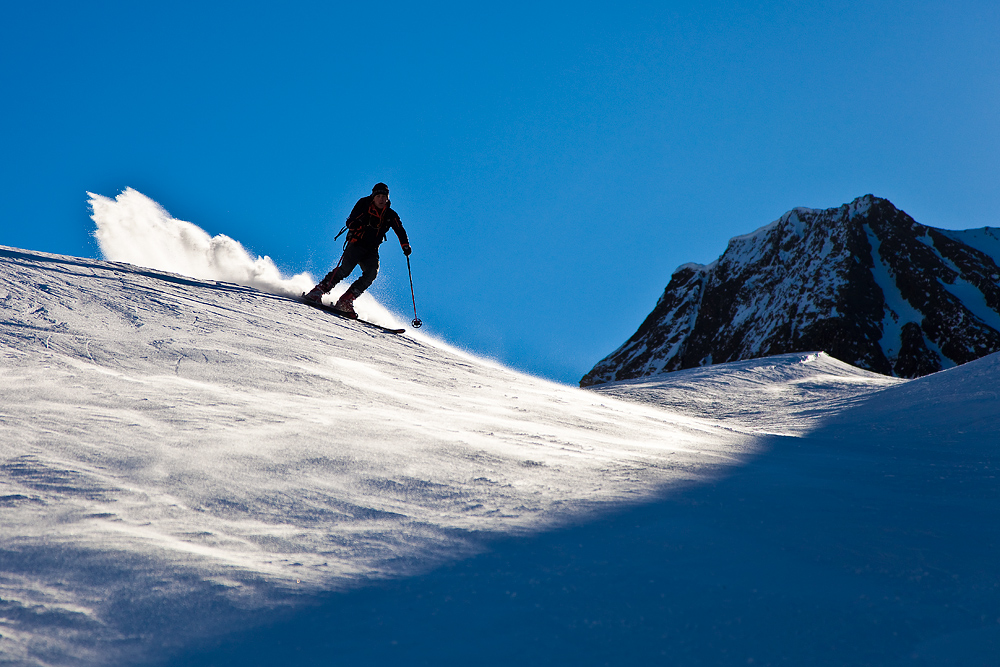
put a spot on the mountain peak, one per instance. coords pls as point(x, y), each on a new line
point(862, 281)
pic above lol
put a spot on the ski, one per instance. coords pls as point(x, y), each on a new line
point(334, 311)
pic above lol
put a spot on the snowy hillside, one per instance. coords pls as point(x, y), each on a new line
point(864, 282)
point(194, 472)
point(198, 438)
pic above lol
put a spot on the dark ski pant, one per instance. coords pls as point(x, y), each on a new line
point(354, 256)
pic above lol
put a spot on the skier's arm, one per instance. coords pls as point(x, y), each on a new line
point(404, 242)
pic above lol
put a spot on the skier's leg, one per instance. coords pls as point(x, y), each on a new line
point(347, 263)
point(369, 271)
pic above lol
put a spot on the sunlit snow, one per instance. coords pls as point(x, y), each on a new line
point(214, 429)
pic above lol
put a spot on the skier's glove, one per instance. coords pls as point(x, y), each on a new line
point(406, 249)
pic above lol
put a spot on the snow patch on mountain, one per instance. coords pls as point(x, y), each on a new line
point(985, 239)
point(898, 311)
point(970, 295)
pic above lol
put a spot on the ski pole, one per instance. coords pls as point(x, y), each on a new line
point(416, 320)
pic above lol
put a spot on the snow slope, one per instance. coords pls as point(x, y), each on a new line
point(787, 394)
point(195, 472)
point(201, 439)
point(869, 540)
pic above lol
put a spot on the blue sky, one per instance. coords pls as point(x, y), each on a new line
point(553, 163)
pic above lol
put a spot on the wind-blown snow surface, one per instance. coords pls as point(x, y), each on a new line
point(183, 459)
point(169, 442)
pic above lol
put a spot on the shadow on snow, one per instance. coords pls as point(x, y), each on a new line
point(845, 547)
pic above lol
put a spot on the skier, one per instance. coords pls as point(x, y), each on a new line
point(369, 222)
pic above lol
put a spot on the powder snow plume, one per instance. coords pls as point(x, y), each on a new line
point(135, 229)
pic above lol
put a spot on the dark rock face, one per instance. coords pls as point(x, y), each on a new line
point(863, 282)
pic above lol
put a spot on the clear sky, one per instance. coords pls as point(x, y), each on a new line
point(553, 163)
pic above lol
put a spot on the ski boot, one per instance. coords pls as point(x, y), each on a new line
point(345, 305)
point(314, 296)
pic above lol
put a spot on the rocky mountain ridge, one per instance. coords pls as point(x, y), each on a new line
point(864, 282)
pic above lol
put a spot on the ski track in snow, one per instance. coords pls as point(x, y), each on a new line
point(182, 458)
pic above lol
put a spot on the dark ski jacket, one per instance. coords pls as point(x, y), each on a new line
point(368, 225)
